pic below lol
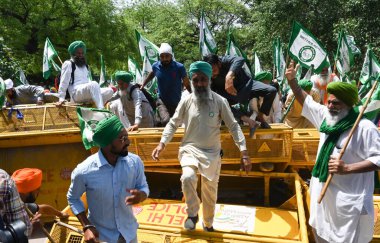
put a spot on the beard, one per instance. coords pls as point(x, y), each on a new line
point(201, 94)
point(122, 152)
point(334, 116)
point(80, 61)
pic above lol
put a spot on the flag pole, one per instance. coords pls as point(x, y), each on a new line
point(329, 178)
point(60, 60)
point(288, 109)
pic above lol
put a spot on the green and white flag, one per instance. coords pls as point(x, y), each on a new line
point(207, 44)
point(371, 67)
point(146, 47)
point(49, 54)
point(373, 107)
point(21, 78)
point(257, 64)
point(345, 54)
point(2, 93)
point(278, 60)
point(103, 76)
point(306, 49)
point(135, 70)
point(88, 118)
point(233, 49)
point(370, 72)
point(152, 86)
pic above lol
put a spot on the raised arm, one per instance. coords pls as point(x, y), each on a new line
point(290, 74)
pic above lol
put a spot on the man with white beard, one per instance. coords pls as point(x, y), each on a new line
point(320, 82)
point(346, 213)
point(202, 112)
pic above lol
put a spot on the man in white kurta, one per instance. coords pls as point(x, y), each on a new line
point(346, 213)
point(202, 112)
point(81, 88)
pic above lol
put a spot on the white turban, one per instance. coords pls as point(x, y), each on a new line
point(165, 48)
point(8, 83)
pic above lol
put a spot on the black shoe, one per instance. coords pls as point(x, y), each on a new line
point(265, 125)
point(208, 229)
point(191, 222)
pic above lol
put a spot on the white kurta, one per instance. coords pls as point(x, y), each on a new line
point(201, 144)
point(82, 89)
point(346, 212)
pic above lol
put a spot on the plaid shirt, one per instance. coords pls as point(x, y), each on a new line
point(11, 206)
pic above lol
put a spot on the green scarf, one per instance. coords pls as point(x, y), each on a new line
point(321, 168)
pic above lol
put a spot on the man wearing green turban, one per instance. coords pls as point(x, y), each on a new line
point(113, 180)
point(294, 116)
point(346, 212)
point(202, 113)
point(130, 104)
point(75, 79)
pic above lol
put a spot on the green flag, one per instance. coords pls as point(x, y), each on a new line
point(207, 44)
point(88, 118)
point(152, 86)
point(371, 67)
point(2, 92)
point(309, 73)
point(135, 70)
point(345, 54)
point(233, 49)
point(146, 47)
point(21, 78)
point(257, 64)
point(306, 49)
point(49, 54)
point(103, 76)
point(370, 72)
point(278, 60)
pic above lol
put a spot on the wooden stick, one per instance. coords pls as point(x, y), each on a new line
point(326, 185)
point(44, 119)
point(60, 223)
point(42, 227)
point(60, 60)
point(288, 109)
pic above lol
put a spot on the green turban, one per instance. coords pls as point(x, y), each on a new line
point(263, 75)
point(305, 84)
point(124, 76)
point(75, 45)
point(345, 92)
point(200, 66)
point(107, 130)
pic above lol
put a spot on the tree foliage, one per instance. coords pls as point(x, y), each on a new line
point(108, 27)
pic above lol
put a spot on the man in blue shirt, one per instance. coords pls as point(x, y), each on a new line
point(113, 180)
point(170, 75)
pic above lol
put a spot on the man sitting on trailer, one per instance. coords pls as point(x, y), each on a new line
point(346, 213)
point(75, 79)
point(202, 112)
point(28, 182)
point(113, 180)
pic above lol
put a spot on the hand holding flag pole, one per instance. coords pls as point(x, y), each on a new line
point(329, 178)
